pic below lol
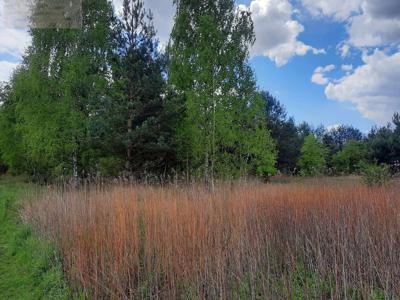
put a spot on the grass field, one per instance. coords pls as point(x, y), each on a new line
point(315, 239)
point(28, 266)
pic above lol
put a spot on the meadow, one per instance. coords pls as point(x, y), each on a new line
point(306, 239)
point(29, 267)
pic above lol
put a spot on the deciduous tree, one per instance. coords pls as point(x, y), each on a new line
point(223, 130)
point(312, 159)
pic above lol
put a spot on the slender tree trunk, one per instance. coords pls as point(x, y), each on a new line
point(206, 170)
point(75, 173)
point(129, 148)
point(187, 168)
point(213, 147)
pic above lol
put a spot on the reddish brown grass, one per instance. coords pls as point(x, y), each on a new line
point(318, 239)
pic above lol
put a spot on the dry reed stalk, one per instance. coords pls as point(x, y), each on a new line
point(319, 239)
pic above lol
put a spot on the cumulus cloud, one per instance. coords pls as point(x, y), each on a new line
point(277, 32)
point(333, 9)
point(373, 87)
point(368, 31)
point(382, 9)
point(347, 68)
point(370, 23)
point(344, 50)
point(319, 76)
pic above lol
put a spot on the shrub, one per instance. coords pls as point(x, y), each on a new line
point(110, 167)
point(347, 161)
point(376, 175)
point(3, 168)
point(312, 160)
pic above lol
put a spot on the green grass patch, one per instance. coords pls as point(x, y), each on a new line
point(28, 265)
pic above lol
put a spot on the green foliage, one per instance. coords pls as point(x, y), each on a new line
point(141, 97)
point(312, 159)
point(284, 132)
point(51, 115)
point(384, 144)
point(102, 99)
point(222, 131)
point(28, 268)
point(347, 160)
point(376, 175)
point(335, 139)
point(110, 167)
point(3, 167)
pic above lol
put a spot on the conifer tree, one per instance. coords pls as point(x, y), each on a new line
point(141, 97)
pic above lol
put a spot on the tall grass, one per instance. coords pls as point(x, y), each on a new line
point(302, 240)
point(28, 265)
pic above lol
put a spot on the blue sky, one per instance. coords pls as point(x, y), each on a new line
point(357, 86)
point(329, 62)
point(292, 85)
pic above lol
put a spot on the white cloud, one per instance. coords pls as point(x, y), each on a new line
point(319, 78)
point(338, 10)
point(277, 32)
point(368, 31)
point(370, 23)
point(373, 87)
point(344, 50)
point(347, 68)
point(382, 9)
point(14, 14)
point(326, 69)
point(6, 69)
point(13, 42)
point(163, 13)
point(333, 127)
point(319, 75)
point(14, 39)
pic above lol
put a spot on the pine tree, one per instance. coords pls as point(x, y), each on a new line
point(284, 132)
point(141, 99)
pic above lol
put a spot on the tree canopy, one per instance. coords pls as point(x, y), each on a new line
point(312, 159)
point(103, 99)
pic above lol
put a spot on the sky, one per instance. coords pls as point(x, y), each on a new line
point(329, 62)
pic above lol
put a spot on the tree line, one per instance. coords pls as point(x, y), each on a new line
point(103, 100)
point(341, 150)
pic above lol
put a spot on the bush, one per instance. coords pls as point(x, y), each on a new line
point(110, 167)
point(376, 175)
point(347, 160)
point(3, 168)
point(312, 159)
